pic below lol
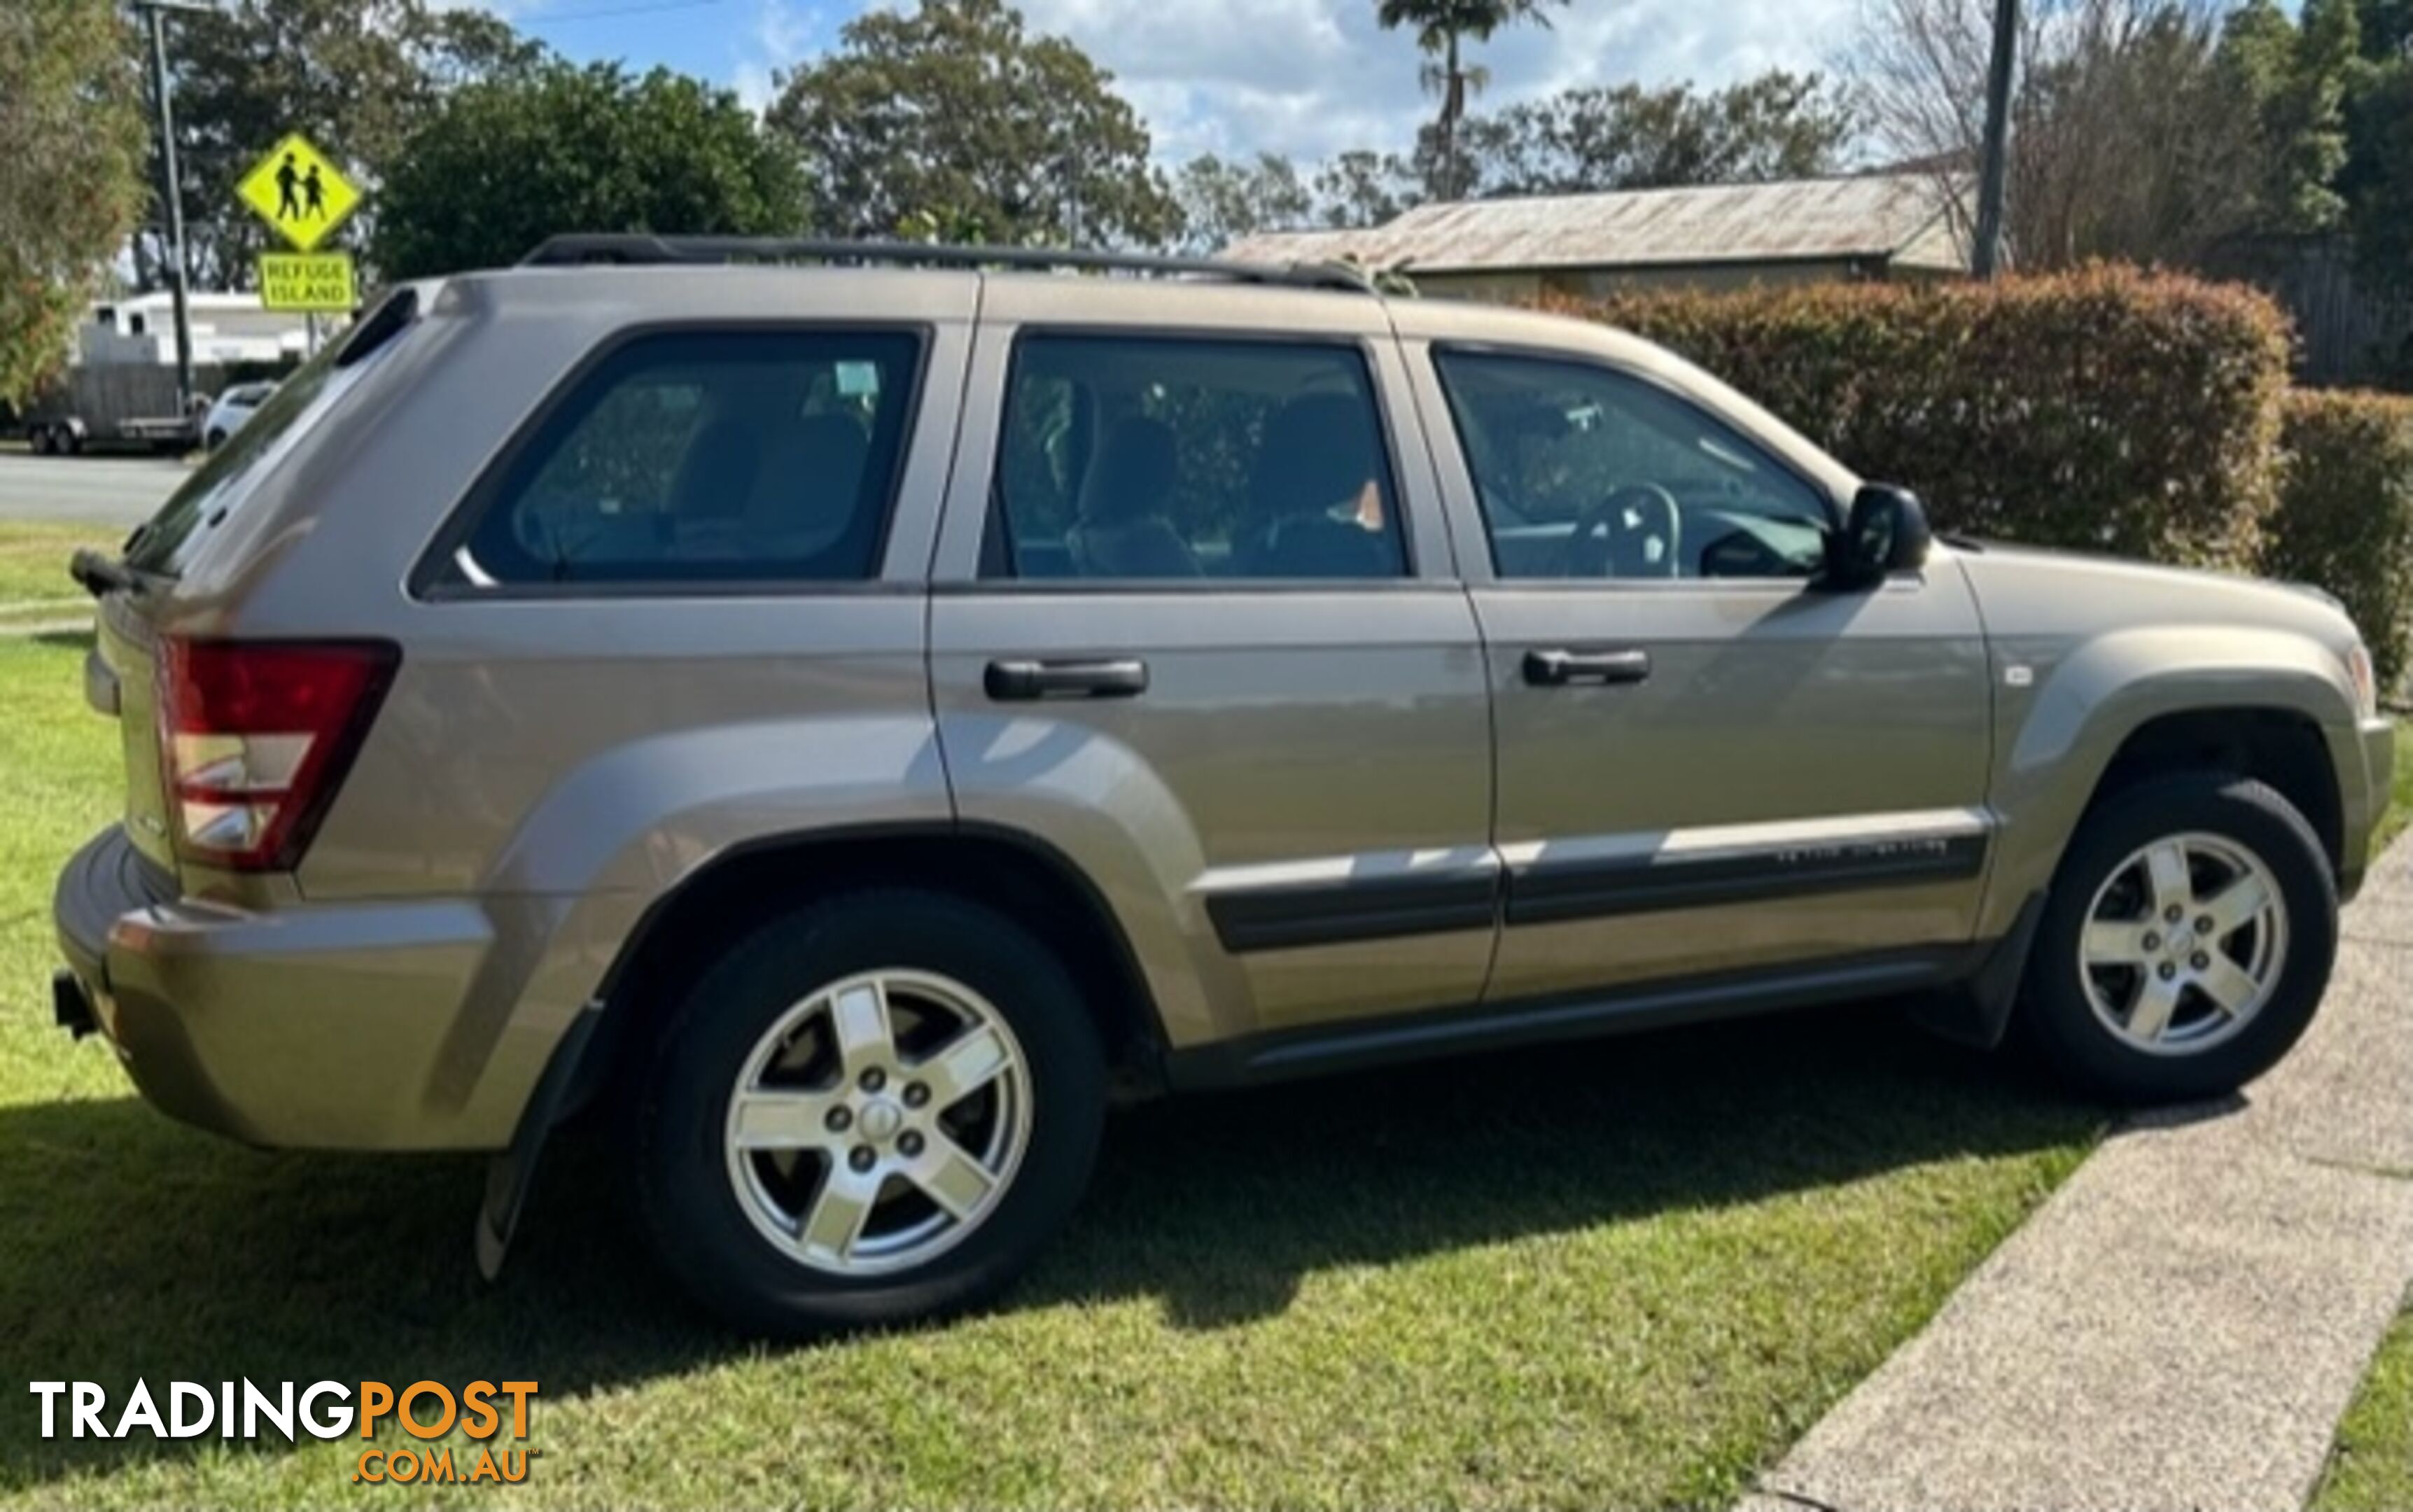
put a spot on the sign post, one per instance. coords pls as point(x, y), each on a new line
point(303, 197)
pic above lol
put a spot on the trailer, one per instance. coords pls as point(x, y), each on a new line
point(120, 389)
point(112, 406)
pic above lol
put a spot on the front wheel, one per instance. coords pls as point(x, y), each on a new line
point(2186, 942)
point(874, 1110)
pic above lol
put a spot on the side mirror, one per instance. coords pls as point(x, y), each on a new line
point(1886, 533)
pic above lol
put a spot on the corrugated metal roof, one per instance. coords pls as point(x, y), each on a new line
point(1872, 216)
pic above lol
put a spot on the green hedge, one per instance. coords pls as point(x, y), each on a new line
point(2345, 518)
point(2103, 409)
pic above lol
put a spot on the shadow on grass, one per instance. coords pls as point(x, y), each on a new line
point(138, 1248)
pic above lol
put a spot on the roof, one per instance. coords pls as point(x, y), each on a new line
point(1898, 216)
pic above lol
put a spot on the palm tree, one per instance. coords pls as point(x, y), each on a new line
point(1439, 26)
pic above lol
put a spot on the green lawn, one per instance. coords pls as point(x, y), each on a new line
point(34, 583)
point(2371, 1467)
point(2400, 813)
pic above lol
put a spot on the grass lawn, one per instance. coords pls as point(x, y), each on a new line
point(35, 588)
point(2400, 813)
point(2371, 1467)
point(1625, 1273)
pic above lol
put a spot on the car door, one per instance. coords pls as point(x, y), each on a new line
point(1196, 626)
point(1708, 763)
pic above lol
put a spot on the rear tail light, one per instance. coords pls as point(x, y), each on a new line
point(257, 737)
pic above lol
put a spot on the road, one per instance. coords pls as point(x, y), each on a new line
point(110, 491)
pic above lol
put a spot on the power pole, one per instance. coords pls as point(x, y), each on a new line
point(172, 190)
point(1986, 257)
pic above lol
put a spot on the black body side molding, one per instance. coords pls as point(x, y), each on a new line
point(1285, 1054)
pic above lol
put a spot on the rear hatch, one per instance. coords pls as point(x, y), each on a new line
point(143, 590)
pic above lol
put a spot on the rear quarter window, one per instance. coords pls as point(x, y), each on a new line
point(698, 457)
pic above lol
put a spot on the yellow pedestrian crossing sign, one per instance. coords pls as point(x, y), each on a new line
point(298, 192)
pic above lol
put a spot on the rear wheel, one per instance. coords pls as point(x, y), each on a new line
point(875, 1109)
point(40, 440)
point(2187, 943)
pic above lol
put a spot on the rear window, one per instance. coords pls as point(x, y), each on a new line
point(705, 456)
point(220, 484)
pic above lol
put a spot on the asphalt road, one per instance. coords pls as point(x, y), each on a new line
point(110, 491)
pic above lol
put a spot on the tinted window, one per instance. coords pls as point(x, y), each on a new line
point(221, 486)
point(729, 457)
point(1173, 459)
point(1585, 472)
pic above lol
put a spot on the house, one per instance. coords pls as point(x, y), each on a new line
point(227, 330)
point(1720, 236)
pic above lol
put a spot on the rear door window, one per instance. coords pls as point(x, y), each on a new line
point(706, 456)
point(1174, 458)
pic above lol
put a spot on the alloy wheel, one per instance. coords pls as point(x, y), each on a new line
point(878, 1122)
point(2184, 943)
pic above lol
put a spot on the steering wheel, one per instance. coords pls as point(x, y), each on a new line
point(1637, 531)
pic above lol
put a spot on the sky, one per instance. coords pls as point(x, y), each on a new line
point(1303, 78)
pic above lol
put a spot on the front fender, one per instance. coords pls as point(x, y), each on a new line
point(2064, 711)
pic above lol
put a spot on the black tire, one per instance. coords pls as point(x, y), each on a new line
point(215, 440)
point(691, 1206)
point(40, 438)
point(2056, 1015)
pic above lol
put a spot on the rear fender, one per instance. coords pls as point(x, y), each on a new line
point(627, 828)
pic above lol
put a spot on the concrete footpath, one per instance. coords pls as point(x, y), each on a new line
point(2184, 1322)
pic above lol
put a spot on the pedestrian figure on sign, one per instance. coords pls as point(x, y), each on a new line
point(316, 192)
point(287, 206)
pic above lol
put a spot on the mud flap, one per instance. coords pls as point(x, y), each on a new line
point(510, 1174)
point(1977, 1011)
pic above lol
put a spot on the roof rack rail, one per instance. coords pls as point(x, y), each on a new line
point(641, 248)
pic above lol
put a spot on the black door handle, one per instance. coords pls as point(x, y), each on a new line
point(1022, 681)
point(1558, 668)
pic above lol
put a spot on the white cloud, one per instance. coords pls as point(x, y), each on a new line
point(1309, 78)
point(783, 35)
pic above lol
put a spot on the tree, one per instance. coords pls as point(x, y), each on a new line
point(70, 172)
point(951, 111)
point(358, 77)
point(1777, 125)
point(2377, 180)
point(1222, 202)
point(1361, 188)
point(2126, 136)
point(506, 163)
point(2293, 76)
point(1442, 26)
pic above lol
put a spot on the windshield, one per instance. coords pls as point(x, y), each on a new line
point(220, 485)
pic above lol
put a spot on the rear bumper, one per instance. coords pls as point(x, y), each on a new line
point(325, 1027)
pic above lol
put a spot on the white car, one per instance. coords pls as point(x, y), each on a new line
point(233, 409)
